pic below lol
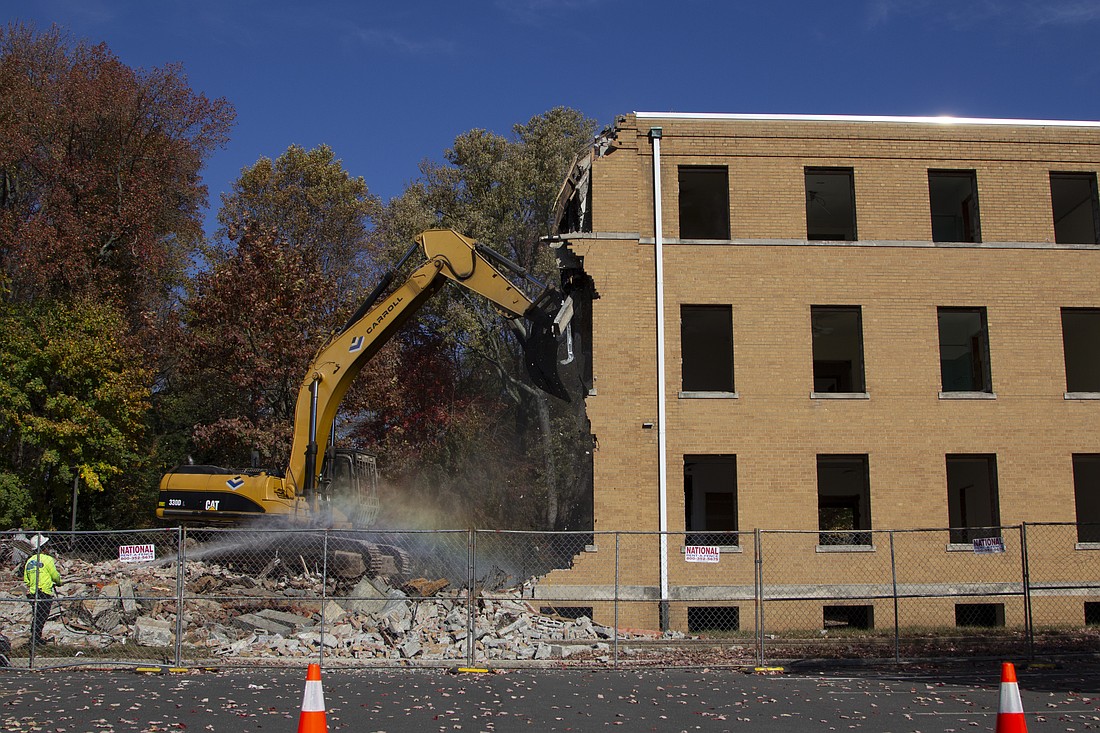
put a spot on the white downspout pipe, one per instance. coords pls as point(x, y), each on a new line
point(662, 458)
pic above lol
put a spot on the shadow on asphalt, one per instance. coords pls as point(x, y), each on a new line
point(1037, 675)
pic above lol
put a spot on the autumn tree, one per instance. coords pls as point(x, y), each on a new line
point(502, 191)
point(284, 274)
point(251, 328)
point(99, 171)
point(308, 200)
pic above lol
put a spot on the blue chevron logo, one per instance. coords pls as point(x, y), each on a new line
point(235, 483)
point(356, 344)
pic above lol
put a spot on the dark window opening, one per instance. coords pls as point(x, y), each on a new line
point(830, 204)
point(985, 615)
point(964, 350)
point(1076, 211)
point(570, 612)
point(837, 333)
point(704, 202)
point(1086, 496)
point(953, 198)
point(843, 500)
point(710, 500)
point(1092, 613)
point(1081, 346)
point(706, 344)
point(973, 506)
point(848, 617)
point(713, 618)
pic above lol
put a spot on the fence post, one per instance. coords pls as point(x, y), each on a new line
point(1025, 565)
point(894, 581)
point(324, 595)
point(181, 588)
point(615, 638)
point(471, 554)
point(759, 583)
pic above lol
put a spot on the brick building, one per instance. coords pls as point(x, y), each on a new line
point(866, 324)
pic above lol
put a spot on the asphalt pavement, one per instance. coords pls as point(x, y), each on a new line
point(928, 699)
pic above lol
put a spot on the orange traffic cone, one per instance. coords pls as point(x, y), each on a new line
point(312, 719)
point(1010, 718)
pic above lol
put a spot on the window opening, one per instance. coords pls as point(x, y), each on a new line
point(571, 612)
point(713, 618)
point(953, 198)
point(706, 346)
point(1092, 613)
point(837, 333)
point(985, 615)
point(830, 204)
point(964, 350)
point(1076, 211)
point(1081, 346)
point(1086, 496)
point(973, 506)
point(704, 202)
point(710, 500)
point(843, 500)
point(848, 617)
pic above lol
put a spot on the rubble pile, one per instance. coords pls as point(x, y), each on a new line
point(282, 613)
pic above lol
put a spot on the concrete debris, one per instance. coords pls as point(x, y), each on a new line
point(287, 613)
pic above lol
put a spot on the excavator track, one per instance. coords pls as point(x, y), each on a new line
point(340, 555)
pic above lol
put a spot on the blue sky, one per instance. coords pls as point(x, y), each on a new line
point(387, 84)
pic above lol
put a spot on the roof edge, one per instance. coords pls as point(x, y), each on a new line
point(941, 120)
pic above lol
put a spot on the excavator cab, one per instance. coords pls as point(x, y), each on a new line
point(348, 489)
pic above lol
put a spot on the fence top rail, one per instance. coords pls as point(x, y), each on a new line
point(10, 533)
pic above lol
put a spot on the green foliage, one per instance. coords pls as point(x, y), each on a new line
point(74, 404)
point(16, 502)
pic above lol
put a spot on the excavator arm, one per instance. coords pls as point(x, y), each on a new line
point(450, 256)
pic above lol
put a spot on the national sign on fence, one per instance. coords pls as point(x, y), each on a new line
point(700, 553)
point(137, 553)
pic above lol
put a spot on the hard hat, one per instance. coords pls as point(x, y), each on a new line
point(38, 540)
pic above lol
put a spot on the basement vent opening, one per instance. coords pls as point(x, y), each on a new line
point(713, 618)
point(848, 617)
point(571, 612)
point(983, 615)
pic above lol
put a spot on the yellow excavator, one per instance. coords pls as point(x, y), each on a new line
point(338, 488)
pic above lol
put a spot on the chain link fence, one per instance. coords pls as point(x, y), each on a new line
point(180, 597)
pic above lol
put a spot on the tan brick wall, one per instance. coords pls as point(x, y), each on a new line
point(774, 427)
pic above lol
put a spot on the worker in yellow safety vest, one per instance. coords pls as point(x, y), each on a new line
point(40, 576)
